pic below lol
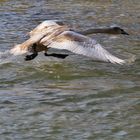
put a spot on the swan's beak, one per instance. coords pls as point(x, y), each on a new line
point(124, 32)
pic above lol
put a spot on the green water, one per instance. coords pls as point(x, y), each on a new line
point(74, 98)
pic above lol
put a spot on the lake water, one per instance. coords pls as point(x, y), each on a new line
point(75, 98)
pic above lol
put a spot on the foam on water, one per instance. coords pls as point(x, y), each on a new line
point(7, 57)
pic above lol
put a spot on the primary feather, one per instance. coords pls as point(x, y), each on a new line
point(83, 45)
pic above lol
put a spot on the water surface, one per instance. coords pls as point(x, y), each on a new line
point(75, 98)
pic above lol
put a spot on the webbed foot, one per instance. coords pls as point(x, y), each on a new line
point(30, 57)
point(33, 55)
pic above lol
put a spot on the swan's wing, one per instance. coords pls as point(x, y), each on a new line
point(46, 35)
point(26, 46)
point(83, 45)
point(47, 24)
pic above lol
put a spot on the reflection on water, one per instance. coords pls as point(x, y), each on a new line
point(75, 98)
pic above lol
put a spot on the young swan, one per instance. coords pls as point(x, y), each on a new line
point(54, 34)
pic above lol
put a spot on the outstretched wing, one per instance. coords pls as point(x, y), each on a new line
point(46, 25)
point(83, 45)
point(47, 30)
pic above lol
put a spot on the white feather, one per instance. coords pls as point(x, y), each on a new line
point(47, 23)
point(87, 47)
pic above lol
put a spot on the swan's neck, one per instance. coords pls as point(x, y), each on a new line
point(98, 30)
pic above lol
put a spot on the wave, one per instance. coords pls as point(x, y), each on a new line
point(7, 57)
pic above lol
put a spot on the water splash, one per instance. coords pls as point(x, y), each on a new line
point(7, 57)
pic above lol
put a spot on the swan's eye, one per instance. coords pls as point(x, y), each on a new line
point(116, 28)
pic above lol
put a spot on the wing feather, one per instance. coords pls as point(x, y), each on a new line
point(83, 45)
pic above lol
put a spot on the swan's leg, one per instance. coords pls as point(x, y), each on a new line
point(62, 56)
point(33, 55)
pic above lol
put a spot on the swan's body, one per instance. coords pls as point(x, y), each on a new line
point(54, 34)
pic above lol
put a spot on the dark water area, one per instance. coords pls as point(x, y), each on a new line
point(75, 98)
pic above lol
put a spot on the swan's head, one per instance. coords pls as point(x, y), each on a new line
point(118, 30)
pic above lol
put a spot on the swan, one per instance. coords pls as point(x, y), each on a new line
point(56, 34)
